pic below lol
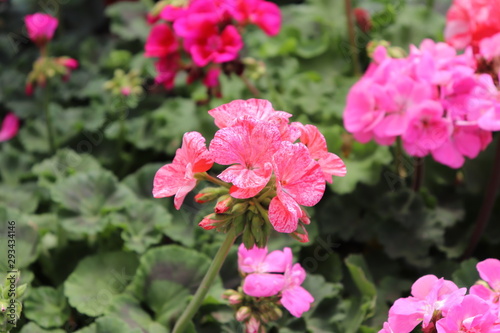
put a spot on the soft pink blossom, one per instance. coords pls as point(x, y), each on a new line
point(41, 28)
point(330, 164)
point(247, 148)
point(489, 270)
point(161, 41)
point(264, 14)
point(472, 315)
point(489, 48)
point(229, 114)
point(177, 178)
point(10, 127)
point(299, 181)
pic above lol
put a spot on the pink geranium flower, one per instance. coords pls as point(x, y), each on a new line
point(295, 298)
point(299, 181)
point(10, 127)
point(489, 270)
point(248, 148)
point(489, 48)
point(427, 129)
point(472, 315)
point(177, 178)
point(167, 68)
point(330, 164)
point(259, 109)
point(161, 41)
point(430, 295)
point(262, 267)
point(41, 28)
point(264, 14)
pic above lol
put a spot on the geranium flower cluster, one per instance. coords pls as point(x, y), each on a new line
point(41, 28)
point(207, 33)
point(439, 306)
point(269, 177)
point(433, 99)
point(269, 281)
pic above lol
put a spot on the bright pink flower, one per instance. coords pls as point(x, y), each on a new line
point(68, 62)
point(295, 298)
point(299, 181)
point(489, 270)
point(167, 68)
point(41, 28)
point(10, 127)
point(427, 129)
point(386, 328)
point(171, 13)
point(264, 14)
point(161, 41)
point(472, 315)
point(429, 294)
point(177, 178)
point(330, 164)
point(470, 21)
point(215, 46)
point(211, 79)
point(489, 48)
point(248, 148)
point(466, 140)
point(259, 109)
point(263, 280)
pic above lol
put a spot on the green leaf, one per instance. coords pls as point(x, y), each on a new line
point(47, 307)
point(23, 197)
point(141, 181)
point(98, 279)
point(34, 328)
point(14, 165)
point(127, 20)
point(142, 225)
point(88, 197)
point(466, 275)
point(165, 279)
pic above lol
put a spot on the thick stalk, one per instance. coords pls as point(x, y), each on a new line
point(489, 199)
point(207, 282)
point(418, 174)
point(48, 119)
point(250, 86)
point(352, 38)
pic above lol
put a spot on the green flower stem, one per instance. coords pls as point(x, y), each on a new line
point(352, 38)
point(207, 282)
point(418, 175)
point(48, 119)
point(263, 212)
point(250, 86)
point(214, 180)
point(488, 203)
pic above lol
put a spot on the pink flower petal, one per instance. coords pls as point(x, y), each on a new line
point(284, 214)
point(297, 300)
point(263, 285)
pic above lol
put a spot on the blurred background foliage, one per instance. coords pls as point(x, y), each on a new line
point(101, 255)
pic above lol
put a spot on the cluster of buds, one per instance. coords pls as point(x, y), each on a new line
point(41, 29)
point(206, 33)
point(125, 84)
point(253, 312)
point(10, 306)
point(269, 177)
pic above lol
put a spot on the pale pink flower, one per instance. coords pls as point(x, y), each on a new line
point(229, 114)
point(489, 48)
point(472, 315)
point(427, 129)
point(429, 294)
point(10, 127)
point(489, 270)
point(330, 164)
point(264, 14)
point(177, 178)
point(161, 41)
point(263, 280)
point(470, 21)
point(295, 298)
point(248, 148)
point(41, 28)
point(299, 181)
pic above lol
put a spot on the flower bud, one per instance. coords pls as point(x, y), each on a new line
point(301, 234)
point(223, 204)
point(248, 238)
point(210, 222)
point(239, 208)
point(362, 19)
point(253, 325)
point(243, 313)
point(209, 194)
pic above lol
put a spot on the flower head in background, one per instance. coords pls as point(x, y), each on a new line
point(41, 28)
point(10, 127)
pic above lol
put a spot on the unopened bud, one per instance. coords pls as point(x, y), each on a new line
point(305, 217)
point(3, 306)
point(243, 313)
point(363, 19)
point(210, 222)
point(301, 234)
point(275, 313)
point(257, 231)
point(253, 325)
point(223, 204)
point(235, 299)
point(209, 194)
point(248, 238)
point(239, 223)
point(239, 208)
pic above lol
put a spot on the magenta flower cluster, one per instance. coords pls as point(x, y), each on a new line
point(257, 143)
point(438, 305)
point(433, 99)
point(209, 33)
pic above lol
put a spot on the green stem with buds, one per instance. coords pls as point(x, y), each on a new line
point(206, 176)
point(207, 282)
